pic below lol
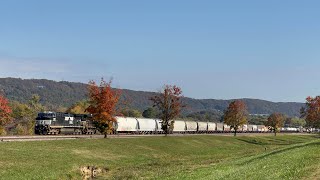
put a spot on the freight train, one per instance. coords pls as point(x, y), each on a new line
point(64, 123)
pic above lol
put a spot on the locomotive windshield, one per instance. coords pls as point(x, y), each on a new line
point(44, 116)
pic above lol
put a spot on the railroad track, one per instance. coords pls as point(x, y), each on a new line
point(46, 137)
point(66, 137)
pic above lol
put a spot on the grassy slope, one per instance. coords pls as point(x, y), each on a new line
point(197, 157)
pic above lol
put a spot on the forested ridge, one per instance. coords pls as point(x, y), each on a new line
point(63, 94)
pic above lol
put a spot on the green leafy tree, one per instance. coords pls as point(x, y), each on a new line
point(298, 122)
point(131, 113)
point(294, 122)
point(20, 130)
point(150, 113)
point(236, 115)
point(79, 107)
point(211, 116)
point(25, 114)
point(21, 114)
point(35, 107)
point(257, 119)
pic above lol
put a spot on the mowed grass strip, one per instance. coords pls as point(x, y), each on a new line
point(190, 157)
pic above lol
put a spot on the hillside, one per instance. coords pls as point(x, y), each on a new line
point(54, 94)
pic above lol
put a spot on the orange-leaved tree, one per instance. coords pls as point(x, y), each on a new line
point(311, 112)
point(275, 122)
point(236, 115)
point(103, 100)
point(5, 114)
point(169, 103)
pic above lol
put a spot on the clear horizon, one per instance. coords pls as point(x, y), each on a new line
point(212, 50)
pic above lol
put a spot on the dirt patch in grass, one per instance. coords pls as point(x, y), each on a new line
point(90, 172)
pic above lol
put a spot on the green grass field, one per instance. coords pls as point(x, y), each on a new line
point(190, 157)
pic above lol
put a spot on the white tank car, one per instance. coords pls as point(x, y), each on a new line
point(244, 128)
point(219, 127)
point(254, 128)
point(192, 126)
point(202, 127)
point(179, 126)
point(147, 125)
point(262, 128)
point(211, 127)
point(127, 124)
point(239, 129)
point(289, 129)
point(266, 129)
point(226, 128)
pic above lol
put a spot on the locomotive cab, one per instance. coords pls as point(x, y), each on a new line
point(43, 121)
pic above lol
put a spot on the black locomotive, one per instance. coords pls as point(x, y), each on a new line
point(64, 123)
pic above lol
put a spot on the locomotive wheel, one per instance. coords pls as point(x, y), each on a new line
point(44, 132)
point(77, 132)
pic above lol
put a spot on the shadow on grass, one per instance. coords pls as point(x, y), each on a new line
point(252, 141)
point(280, 151)
point(273, 141)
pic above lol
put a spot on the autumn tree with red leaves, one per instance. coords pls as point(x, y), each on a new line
point(275, 122)
point(103, 100)
point(5, 114)
point(169, 104)
point(312, 112)
point(236, 115)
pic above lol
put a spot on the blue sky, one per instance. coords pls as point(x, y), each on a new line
point(212, 49)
